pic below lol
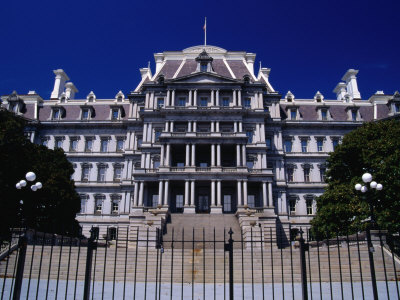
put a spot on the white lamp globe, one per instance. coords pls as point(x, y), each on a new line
point(39, 185)
point(363, 189)
point(22, 183)
point(357, 186)
point(34, 188)
point(373, 184)
point(379, 186)
point(30, 176)
point(18, 186)
point(367, 177)
point(21, 202)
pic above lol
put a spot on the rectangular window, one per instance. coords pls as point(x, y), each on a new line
point(88, 145)
point(288, 146)
point(322, 172)
point(160, 102)
point(112, 233)
point(115, 207)
point(249, 134)
point(203, 165)
point(225, 102)
point(156, 164)
point(354, 115)
point(85, 114)
point(397, 107)
point(309, 203)
point(227, 203)
point(181, 101)
point(117, 173)
point(335, 143)
point(102, 174)
point(324, 114)
point(268, 143)
point(56, 114)
point(179, 201)
point(99, 205)
point(154, 200)
point(266, 109)
point(120, 144)
point(203, 102)
point(83, 203)
point(306, 174)
point(250, 164)
point(180, 164)
point(85, 173)
point(115, 114)
point(59, 143)
point(73, 145)
point(247, 103)
point(292, 206)
point(104, 145)
point(293, 114)
point(320, 145)
point(139, 142)
point(251, 201)
point(157, 135)
point(304, 145)
point(203, 67)
point(290, 174)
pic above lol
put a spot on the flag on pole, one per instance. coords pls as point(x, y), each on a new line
point(205, 24)
point(205, 31)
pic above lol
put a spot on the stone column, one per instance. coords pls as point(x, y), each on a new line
point(240, 97)
point(141, 194)
point(244, 159)
point(217, 97)
point(150, 132)
point(173, 98)
point(240, 126)
point(187, 158)
point(262, 132)
point(168, 102)
point(171, 126)
point(217, 126)
point(238, 155)
point(135, 195)
point(234, 98)
point(218, 155)
point(146, 101)
point(148, 159)
point(270, 200)
point(152, 100)
point(190, 98)
point(265, 199)
point(192, 189)
point(145, 132)
point(212, 126)
point(166, 192)
point(195, 98)
point(189, 126)
point(235, 127)
point(213, 193)
point(166, 128)
point(162, 155)
point(186, 193)
point(142, 160)
point(219, 193)
point(160, 192)
point(194, 126)
point(284, 202)
point(193, 155)
point(212, 98)
point(239, 193)
point(212, 155)
point(244, 192)
point(167, 162)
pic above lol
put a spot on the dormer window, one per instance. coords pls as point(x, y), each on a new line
point(57, 113)
point(397, 108)
point(203, 67)
point(117, 113)
point(87, 112)
point(324, 114)
point(91, 99)
point(119, 97)
point(204, 62)
point(354, 115)
point(293, 114)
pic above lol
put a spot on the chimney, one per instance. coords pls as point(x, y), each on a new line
point(70, 90)
point(59, 83)
point(145, 72)
point(159, 58)
point(351, 82)
point(340, 91)
point(250, 58)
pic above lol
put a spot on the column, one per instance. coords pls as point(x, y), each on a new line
point(186, 193)
point(146, 102)
point(217, 126)
point(213, 193)
point(240, 126)
point(168, 102)
point(219, 193)
point(135, 194)
point(257, 133)
point(166, 129)
point(189, 126)
point(194, 126)
point(166, 192)
point(245, 192)
point(239, 193)
point(262, 132)
point(240, 97)
point(141, 194)
point(234, 98)
point(152, 100)
point(148, 159)
point(190, 98)
point(284, 202)
point(173, 98)
point(264, 161)
point(270, 200)
point(244, 159)
point(142, 160)
point(192, 187)
point(212, 98)
point(187, 158)
point(162, 155)
point(150, 132)
point(235, 127)
point(195, 98)
point(212, 126)
point(167, 158)
point(264, 189)
point(212, 155)
point(238, 155)
point(160, 192)
point(171, 126)
point(193, 155)
point(145, 132)
point(218, 155)
point(217, 97)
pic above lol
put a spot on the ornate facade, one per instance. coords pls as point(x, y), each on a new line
point(204, 134)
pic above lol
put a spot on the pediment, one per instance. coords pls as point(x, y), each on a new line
point(202, 77)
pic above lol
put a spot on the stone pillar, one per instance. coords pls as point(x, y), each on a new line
point(135, 195)
point(217, 97)
point(193, 155)
point(151, 100)
point(212, 126)
point(162, 155)
point(244, 192)
point(240, 126)
point(187, 158)
point(264, 189)
point(239, 193)
point(218, 155)
point(238, 155)
point(213, 193)
point(173, 98)
point(284, 202)
point(270, 200)
point(171, 126)
point(148, 160)
point(212, 155)
point(234, 97)
point(192, 190)
point(168, 102)
point(264, 161)
point(190, 98)
point(189, 126)
point(262, 132)
point(195, 98)
point(235, 127)
point(194, 126)
point(219, 193)
point(150, 132)
point(160, 192)
point(186, 193)
point(166, 192)
point(240, 97)
point(167, 162)
point(145, 132)
point(141, 187)
point(244, 159)
point(142, 160)
point(146, 101)
point(217, 126)
point(212, 98)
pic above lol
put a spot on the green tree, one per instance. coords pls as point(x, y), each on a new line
point(51, 208)
point(373, 148)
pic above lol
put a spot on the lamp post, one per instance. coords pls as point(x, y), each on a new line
point(367, 178)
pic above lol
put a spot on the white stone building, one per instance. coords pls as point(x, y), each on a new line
point(204, 134)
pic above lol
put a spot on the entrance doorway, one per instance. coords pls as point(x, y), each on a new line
point(203, 205)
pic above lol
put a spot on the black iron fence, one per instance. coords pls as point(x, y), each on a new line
point(143, 263)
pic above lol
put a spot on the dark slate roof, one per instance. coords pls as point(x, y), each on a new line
point(383, 110)
point(44, 113)
point(220, 68)
point(339, 113)
point(367, 113)
point(309, 112)
point(169, 68)
point(238, 68)
point(188, 68)
point(30, 111)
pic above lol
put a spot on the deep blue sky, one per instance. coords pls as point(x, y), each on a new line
point(101, 44)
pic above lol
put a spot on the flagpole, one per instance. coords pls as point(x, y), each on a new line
point(205, 32)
